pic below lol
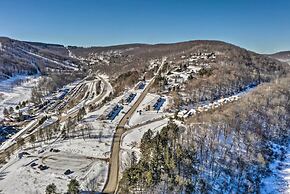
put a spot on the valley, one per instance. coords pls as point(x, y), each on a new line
point(142, 118)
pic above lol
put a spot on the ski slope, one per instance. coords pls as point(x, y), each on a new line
point(11, 95)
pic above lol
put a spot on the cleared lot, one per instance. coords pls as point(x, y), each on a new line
point(83, 159)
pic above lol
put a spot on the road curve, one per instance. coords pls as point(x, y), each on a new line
point(97, 100)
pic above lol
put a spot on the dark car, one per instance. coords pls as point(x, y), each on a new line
point(68, 171)
point(43, 167)
point(33, 164)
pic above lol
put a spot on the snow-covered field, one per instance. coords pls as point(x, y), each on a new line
point(82, 156)
point(11, 95)
point(147, 115)
point(86, 156)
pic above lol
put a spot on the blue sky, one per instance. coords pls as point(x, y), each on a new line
point(259, 25)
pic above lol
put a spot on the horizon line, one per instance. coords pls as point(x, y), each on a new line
point(135, 43)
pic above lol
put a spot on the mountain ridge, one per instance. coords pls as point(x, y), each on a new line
point(26, 57)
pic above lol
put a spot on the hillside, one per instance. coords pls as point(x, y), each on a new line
point(225, 150)
point(223, 59)
point(22, 57)
point(19, 57)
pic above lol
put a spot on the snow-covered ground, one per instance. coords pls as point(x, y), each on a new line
point(106, 109)
point(86, 152)
point(147, 115)
point(139, 124)
point(82, 156)
point(279, 182)
point(86, 155)
point(12, 139)
point(11, 95)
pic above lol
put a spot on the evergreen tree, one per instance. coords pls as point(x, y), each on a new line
point(32, 139)
point(11, 110)
point(20, 142)
point(73, 187)
point(50, 189)
point(5, 112)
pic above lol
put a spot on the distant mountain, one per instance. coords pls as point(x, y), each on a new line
point(283, 56)
point(20, 57)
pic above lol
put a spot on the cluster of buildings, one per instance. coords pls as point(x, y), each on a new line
point(103, 57)
point(207, 106)
point(194, 57)
point(186, 68)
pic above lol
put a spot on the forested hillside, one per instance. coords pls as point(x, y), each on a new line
point(226, 68)
point(227, 150)
point(28, 58)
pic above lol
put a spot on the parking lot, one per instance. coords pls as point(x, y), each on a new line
point(115, 112)
point(159, 104)
point(6, 132)
point(130, 98)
